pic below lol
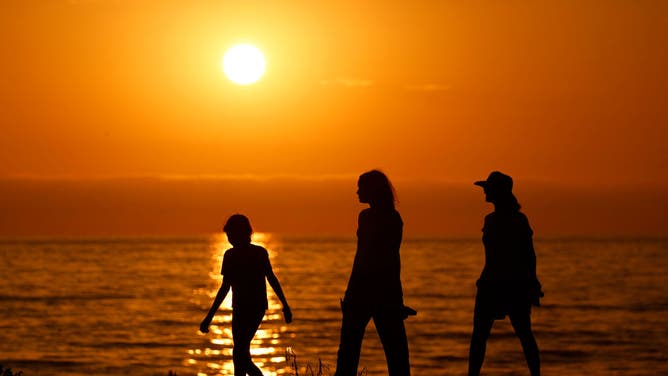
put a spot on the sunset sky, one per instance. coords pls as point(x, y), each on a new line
point(117, 119)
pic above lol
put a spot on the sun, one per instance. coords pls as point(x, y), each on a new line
point(243, 64)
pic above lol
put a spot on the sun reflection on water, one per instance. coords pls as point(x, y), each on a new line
point(215, 355)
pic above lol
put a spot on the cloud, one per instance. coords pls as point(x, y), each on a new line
point(82, 2)
point(429, 87)
point(243, 177)
point(347, 82)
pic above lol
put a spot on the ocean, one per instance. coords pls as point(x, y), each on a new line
point(132, 306)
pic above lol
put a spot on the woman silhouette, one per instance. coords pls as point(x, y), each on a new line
point(508, 283)
point(374, 289)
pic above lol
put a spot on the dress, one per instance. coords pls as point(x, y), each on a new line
point(507, 284)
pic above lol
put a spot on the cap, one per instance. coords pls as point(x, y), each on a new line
point(497, 181)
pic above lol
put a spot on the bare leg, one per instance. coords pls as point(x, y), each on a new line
point(482, 327)
point(244, 326)
point(243, 365)
point(353, 325)
point(392, 333)
point(522, 325)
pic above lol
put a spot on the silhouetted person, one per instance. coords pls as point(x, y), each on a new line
point(508, 284)
point(245, 267)
point(374, 289)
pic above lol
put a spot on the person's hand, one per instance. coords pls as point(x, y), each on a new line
point(407, 311)
point(204, 326)
point(287, 314)
point(535, 292)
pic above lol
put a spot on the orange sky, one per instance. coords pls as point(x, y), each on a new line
point(568, 94)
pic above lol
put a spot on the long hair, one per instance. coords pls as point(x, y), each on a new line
point(379, 188)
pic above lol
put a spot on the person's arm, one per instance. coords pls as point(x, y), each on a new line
point(530, 251)
point(273, 282)
point(535, 288)
point(222, 293)
point(531, 259)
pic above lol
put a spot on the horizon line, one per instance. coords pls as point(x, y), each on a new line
point(332, 236)
point(339, 177)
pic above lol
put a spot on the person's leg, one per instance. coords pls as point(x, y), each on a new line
point(392, 333)
point(244, 326)
point(522, 324)
point(482, 327)
point(241, 340)
point(353, 324)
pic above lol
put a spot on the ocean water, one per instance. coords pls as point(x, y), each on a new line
point(133, 307)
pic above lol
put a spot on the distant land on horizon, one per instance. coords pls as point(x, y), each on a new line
point(327, 206)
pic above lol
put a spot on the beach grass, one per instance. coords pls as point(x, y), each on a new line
point(9, 372)
point(309, 369)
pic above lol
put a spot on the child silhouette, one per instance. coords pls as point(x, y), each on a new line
point(245, 268)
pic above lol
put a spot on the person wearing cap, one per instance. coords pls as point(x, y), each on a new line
point(508, 285)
